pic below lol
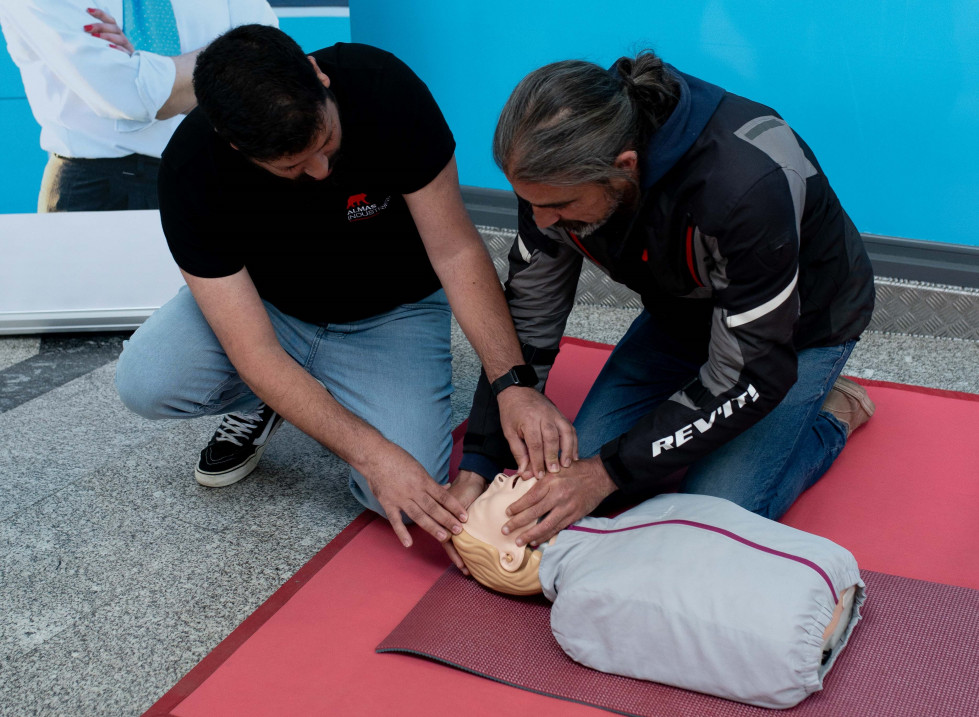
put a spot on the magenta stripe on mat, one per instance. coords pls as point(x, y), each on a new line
point(721, 531)
point(913, 654)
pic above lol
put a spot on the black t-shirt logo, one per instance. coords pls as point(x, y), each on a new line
point(360, 207)
point(356, 200)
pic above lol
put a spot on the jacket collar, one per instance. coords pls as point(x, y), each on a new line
point(698, 100)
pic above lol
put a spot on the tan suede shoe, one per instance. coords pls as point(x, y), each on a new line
point(849, 402)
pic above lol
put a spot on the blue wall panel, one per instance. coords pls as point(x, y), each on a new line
point(22, 158)
point(885, 91)
point(10, 85)
point(313, 33)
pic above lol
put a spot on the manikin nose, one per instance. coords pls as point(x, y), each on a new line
point(508, 482)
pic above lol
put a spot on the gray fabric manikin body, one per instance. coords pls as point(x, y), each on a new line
point(699, 593)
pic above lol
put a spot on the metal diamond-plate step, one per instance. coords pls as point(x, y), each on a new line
point(903, 307)
point(926, 310)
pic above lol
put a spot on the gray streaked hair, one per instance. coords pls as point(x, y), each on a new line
point(566, 122)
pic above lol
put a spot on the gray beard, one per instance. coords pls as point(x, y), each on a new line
point(584, 229)
point(625, 198)
point(581, 229)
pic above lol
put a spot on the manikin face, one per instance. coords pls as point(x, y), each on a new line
point(487, 515)
point(492, 558)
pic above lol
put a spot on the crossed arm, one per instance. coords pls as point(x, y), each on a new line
point(181, 99)
point(90, 54)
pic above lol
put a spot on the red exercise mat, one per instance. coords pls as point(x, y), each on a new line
point(913, 654)
point(903, 498)
point(312, 653)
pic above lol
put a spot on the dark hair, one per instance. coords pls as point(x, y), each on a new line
point(259, 91)
point(566, 122)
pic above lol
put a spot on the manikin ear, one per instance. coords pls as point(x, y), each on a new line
point(320, 75)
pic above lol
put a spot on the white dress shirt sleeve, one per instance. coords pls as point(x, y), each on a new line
point(112, 84)
point(246, 12)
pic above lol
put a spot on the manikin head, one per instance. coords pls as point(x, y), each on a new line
point(493, 558)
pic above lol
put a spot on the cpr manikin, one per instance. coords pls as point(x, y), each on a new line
point(687, 590)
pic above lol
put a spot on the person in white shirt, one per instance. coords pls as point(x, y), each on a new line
point(107, 105)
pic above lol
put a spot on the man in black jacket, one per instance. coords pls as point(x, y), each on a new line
point(754, 281)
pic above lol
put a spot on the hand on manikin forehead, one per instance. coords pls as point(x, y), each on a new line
point(487, 516)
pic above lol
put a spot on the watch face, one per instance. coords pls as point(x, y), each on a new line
point(525, 374)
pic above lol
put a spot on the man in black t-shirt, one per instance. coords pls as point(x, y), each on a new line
point(313, 207)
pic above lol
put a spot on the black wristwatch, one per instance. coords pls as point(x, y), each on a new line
point(522, 375)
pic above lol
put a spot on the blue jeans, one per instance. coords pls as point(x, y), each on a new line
point(393, 370)
point(765, 468)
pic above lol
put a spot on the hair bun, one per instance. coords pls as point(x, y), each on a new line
point(622, 71)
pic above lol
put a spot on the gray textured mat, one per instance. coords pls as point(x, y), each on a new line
point(913, 654)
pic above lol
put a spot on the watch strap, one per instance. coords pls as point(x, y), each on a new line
point(522, 375)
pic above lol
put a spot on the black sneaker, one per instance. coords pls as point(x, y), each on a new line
point(236, 447)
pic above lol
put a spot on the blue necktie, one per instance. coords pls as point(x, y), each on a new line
point(151, 26)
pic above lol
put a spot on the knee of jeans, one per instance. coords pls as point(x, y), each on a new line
point(137, 391)
point(133, 396)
